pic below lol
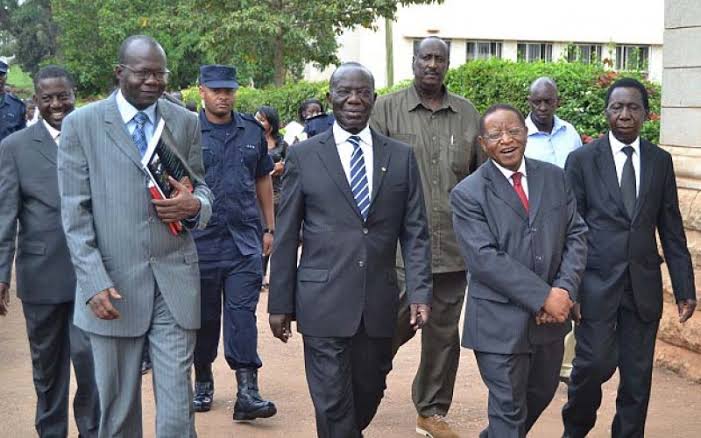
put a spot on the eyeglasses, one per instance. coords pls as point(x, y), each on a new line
point(497, 135)
point(143, 75)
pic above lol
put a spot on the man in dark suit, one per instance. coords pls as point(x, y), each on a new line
point(519, 231)
point(45, 276)
point(626, 192)
point(355, 193)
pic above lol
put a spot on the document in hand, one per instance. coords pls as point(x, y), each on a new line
point(160, 161)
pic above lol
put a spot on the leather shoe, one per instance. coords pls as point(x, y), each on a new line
point(249, 404)
point(204, 395)
point(434, 426)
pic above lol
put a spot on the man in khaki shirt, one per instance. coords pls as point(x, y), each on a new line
point(442, 129)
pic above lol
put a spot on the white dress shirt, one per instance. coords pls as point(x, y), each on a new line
point(508, 173)
point(620, 157)
point(345, 150)
point(54, 133)
point(128, 111)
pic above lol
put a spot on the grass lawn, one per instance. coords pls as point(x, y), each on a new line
point(20, 80)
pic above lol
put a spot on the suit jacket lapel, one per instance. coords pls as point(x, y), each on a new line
point(117, 131)
point(647, 171)
point(504, 190)
point(381, 155)
point(607, 173)
point(534, 177)
point(47, 146)
point(332, 162)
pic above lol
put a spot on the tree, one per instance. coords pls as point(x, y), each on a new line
point(28, 32)
point(272, 40)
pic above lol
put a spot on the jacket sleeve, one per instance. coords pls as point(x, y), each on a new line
point(201, 192)
point(415, 240)
point(9, 206)
point(283, 261)
point(76, 213)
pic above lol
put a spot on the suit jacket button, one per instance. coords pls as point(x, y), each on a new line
point(361, 264)
point(365, 231)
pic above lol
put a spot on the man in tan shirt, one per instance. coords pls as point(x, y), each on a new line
point(442, 129)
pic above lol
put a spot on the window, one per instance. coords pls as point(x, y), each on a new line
point(533, 52)
point(584, 53)
point(483, 50)
point(632, 57)
point(418, 41)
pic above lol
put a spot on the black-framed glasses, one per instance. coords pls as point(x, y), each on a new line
point(142, 75)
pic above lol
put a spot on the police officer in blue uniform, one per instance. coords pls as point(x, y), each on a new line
point(12, 109)
point(237, 168)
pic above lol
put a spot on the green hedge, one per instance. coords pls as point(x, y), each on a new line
point(582, 92)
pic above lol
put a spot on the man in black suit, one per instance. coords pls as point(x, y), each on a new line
point(45, 276)
point(626, 192)
point(356, 193)
point(519, 231)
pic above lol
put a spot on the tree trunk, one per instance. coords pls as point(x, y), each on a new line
point(279, 62)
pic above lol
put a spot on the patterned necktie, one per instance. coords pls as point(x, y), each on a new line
point(359, 178)
point(139, 135)
point(628, 190)
point(519, 189)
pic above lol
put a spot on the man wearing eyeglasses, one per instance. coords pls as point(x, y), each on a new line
point(135, 280)
point(519, 231)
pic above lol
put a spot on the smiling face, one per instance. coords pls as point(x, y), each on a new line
point(142, 58)
point(352, 97)
point(55, 99)
point(504, 138)
point(626, 114)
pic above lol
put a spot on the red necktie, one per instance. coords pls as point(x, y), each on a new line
point(519, 189)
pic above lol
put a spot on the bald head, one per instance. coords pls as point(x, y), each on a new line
point(346, 67)
point(142, 72)
point(543, 100)
point(543, 82)
point(138, 44)
point(352, 96)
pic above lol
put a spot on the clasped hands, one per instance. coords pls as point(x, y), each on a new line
point(557, 308)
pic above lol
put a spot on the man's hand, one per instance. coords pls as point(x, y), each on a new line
point(279, 169)
point(576, 313)
point(542, 317)
point(182, 206)
point(686, 309)
point(280, 325)
point(267, 243)
point(4, 298)
point(419, 315)
point(558, 304)
point(101, 305)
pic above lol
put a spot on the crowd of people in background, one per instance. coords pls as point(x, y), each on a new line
point(400, 204)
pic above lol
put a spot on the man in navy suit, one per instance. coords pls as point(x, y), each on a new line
point(626, 192)
point(521, 236)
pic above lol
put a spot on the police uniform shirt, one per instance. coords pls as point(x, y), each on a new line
point(12, 115)
point(234, 156)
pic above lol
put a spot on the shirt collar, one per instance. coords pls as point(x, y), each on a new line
point(533, 129)
point(340, 135)
point(507, 173)
point(413, 100)
point(54, 133)
point(617, 145)
point(128, 111)
point(206, 125)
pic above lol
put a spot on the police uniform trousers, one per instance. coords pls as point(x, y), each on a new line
point(346, 378)
point(432, 389)
point(626, 343)
point(237, 280)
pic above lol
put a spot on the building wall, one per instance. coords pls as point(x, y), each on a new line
point(679, 346)
point(510, 21)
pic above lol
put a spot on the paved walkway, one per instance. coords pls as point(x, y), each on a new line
point(675, 410)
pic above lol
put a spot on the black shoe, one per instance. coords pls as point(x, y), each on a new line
point(204, 395)
point(249, 404)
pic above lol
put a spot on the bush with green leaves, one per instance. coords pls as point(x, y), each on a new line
point(582, 90)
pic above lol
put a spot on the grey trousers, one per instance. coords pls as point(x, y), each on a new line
point(55, 342)
point(118, 375)
point(432, 390)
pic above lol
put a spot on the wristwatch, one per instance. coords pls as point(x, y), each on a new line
point(268, 231)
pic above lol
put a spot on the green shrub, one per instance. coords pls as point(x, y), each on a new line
point(582, 90)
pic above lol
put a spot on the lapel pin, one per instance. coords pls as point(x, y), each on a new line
point(384, 169)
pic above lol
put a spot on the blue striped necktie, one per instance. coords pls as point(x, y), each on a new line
point(139, 135)
point(359, 178)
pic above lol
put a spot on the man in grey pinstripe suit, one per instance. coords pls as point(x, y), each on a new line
point(134, 279)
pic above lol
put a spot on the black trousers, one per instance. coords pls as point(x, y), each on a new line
point(54, 342)
point(626, 343)
point(346, 378)
point(520, 387)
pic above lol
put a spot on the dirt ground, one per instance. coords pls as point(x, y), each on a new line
point(674, 409)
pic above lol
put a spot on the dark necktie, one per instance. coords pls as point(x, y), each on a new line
point(628, 191)
point(519, 189)
point(359, 178)
point(139, 135)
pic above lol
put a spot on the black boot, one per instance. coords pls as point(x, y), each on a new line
point(249, 404)
point(204, 389)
